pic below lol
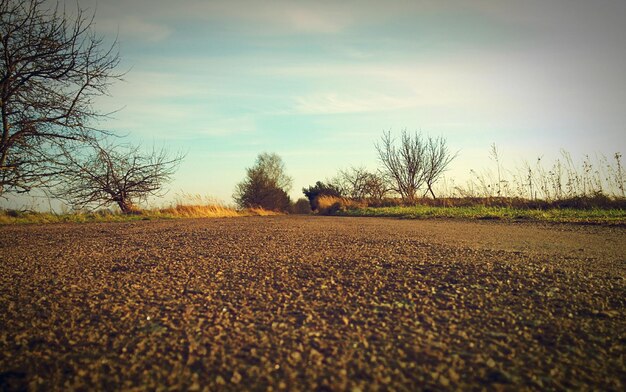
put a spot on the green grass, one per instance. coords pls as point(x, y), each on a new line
point(564, 215)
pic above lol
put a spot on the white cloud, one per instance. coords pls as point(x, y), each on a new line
point(332, 103)
point(130, 27)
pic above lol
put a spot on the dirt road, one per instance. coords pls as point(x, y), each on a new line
point(312, 303)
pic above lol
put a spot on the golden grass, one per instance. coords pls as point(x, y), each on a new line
point(178, 211)
point(210, 211)
point(189, 205)
point(199, 211)
point(332, 204)
point(260, 212)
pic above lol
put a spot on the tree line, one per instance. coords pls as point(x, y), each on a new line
point(409, 168)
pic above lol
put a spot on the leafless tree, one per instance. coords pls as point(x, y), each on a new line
point(378, 186)
point(51, 67)
point(114, 174)
point(359, 183)
point(438, 158)
point(404, 164)
point(415, 162)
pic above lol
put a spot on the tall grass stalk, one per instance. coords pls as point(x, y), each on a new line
point(562, 179)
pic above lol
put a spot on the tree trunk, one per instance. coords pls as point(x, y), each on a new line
point(126, 206)
point(430, 189)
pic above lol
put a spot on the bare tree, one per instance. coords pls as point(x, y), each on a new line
point(359, 183)
point(114, 174)
point(438, 158)
point(405, 164)
point(416, 162)
point(378, 186)
point(51, 68)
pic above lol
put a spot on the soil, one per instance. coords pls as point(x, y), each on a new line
point(312, 303)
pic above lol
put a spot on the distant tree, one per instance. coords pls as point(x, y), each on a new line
point(51, 68)
point(438, 158)
point(415, 162)
point(359, 183)
point(114, 174)
point(266, 185)
point(320, 189)
point(404, 164)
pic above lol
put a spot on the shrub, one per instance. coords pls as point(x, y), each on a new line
point(313, 193)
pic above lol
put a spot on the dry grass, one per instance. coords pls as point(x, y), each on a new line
point(177, 211)
point(260, 212)
point(332, 204)
point(199, 211)
point(198, 206)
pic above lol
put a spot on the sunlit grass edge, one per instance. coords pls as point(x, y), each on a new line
point(172, 212)
point(561, 215)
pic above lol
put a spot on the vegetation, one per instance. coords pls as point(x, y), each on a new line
point(611, 213)
point(359, 183)
point(566, 215)
point(560, 180)
point(114, 174)
point(51, 68)
point(593, 193)
point(265, 186)
point(415, 163)
point(313, 193)
point(104, 215)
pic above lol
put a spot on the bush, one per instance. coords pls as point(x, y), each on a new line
point(313, 193)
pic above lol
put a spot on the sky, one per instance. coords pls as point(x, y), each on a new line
point(318, 82)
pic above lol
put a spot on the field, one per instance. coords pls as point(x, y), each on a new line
point(312, 303)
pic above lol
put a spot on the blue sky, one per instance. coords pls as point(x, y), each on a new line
point(318, 81)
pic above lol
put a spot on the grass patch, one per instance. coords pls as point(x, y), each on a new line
point(561, 215)
point(174, 212)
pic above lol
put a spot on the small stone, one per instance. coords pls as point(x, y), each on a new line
point(236, 378)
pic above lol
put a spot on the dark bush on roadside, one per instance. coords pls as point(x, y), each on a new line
point(313, 193)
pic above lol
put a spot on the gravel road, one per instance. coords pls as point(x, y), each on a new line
point(312, 303)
